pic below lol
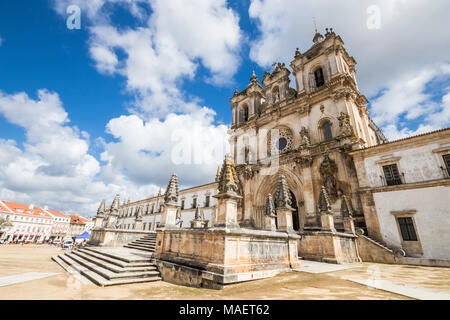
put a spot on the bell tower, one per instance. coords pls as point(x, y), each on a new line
point(303, 134)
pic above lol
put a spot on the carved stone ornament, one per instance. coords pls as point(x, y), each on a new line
point(172, 192)
point(324, 202)
point(346, 129)
point(228, 181)
point(282, 196)
point(346, 207)
point(304, 162)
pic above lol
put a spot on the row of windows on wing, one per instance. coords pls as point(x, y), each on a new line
point(319, 82)
point(194, 205)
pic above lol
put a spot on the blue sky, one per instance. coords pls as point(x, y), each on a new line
point(115, 90)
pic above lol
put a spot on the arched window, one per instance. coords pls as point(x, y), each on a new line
point(318, 76)
point(326, 130)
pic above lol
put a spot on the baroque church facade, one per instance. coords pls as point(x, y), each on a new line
point(312, 163)
point(304, 134)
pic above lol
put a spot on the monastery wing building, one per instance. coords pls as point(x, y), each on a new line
point(309, 172)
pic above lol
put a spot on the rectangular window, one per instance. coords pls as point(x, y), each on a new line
point(194, 203)
point(407, 229)
point(392, 175)
point(182, 204)
point(447, 162)
point(207, 201)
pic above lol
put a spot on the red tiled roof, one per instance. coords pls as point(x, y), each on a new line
point(19, 208)
point(75, 219)
point(58, 214)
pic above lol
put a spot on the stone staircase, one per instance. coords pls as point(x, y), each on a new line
point(146, 243)
point(373, 251)
point(110, 266)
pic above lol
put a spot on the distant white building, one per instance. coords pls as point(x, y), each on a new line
point(61, 224)
point(201, 196)
point(29, 223)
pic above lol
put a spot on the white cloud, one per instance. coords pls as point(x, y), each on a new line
point(409, 97)
point(168, 47)
point(399, 58)
point(53, 167)
point(189, 144)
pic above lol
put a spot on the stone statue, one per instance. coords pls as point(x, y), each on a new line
point(270, 207)
point(328, 170)
point(304, 137)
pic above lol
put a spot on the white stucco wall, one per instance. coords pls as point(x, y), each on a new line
point(432, 218)
point(418, 163)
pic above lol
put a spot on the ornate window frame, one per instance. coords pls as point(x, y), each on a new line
point(284, 132)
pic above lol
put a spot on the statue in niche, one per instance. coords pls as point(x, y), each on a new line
point(328, 170)
point(304, 137)
point(346, 129)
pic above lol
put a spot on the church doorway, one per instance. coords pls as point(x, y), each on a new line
point(295, 220)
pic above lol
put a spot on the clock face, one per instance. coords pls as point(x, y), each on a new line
point(281, 144)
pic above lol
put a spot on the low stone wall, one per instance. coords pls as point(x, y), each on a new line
point(326, 246)
point(115, 237)
point(370, 251)
point(215, 257)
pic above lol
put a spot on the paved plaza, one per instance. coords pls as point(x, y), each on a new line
point(27, 272)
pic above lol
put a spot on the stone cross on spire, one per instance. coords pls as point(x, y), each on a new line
point(172, 191)
point(270, 207)
point(254, 78)
point(227, 182)
point(324, 202)
point(282, 196)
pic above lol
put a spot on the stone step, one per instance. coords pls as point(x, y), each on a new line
point(72, 270)
point(145, 242)
point(119, 263)
point(150, 245)
point(132, 246)
point(101, 281)
point(108, 274)
point(113, 267)
point(117, 257)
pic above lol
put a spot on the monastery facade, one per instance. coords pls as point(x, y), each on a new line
point(310, 163)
